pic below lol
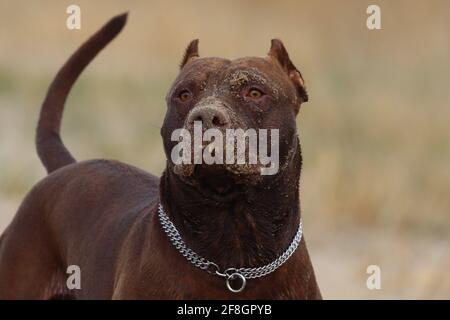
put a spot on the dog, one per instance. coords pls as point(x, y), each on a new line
point(189, 234)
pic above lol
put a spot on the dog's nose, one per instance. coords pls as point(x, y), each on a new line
point(210, 116)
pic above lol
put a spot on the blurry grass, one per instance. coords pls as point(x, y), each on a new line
point(375, 135)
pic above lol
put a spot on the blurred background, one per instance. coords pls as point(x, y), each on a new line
point(375, 135)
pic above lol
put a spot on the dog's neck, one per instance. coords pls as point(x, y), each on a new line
point(251, 230)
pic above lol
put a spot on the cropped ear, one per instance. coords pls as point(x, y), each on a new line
point(190, 53)
point(279, 53)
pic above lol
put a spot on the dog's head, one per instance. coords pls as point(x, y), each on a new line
point(247, 93)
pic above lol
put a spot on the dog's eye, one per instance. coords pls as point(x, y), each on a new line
point(255, 94)
point(184, 96)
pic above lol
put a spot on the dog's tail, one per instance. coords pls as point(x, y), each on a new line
point(49, 145)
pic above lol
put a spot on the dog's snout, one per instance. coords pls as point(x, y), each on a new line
point(210, 116)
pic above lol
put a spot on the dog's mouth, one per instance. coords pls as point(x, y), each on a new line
point(223, 180)
point(218, 182)
point(237, 173)
point(242, 171)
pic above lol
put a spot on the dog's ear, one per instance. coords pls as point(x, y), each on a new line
point(191, 52)
point(278, 52)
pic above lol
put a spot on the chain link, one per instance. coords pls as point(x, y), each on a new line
point(213, 268)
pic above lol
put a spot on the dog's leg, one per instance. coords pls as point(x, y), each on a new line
point(29, 267)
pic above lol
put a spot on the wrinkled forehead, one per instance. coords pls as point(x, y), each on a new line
point(256, 64)
point(250, 70)
point(224, 72)
point(203, 68)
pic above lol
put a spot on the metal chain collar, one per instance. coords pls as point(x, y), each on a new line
point(230, 274)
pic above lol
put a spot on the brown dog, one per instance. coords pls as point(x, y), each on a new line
point(102, 215)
